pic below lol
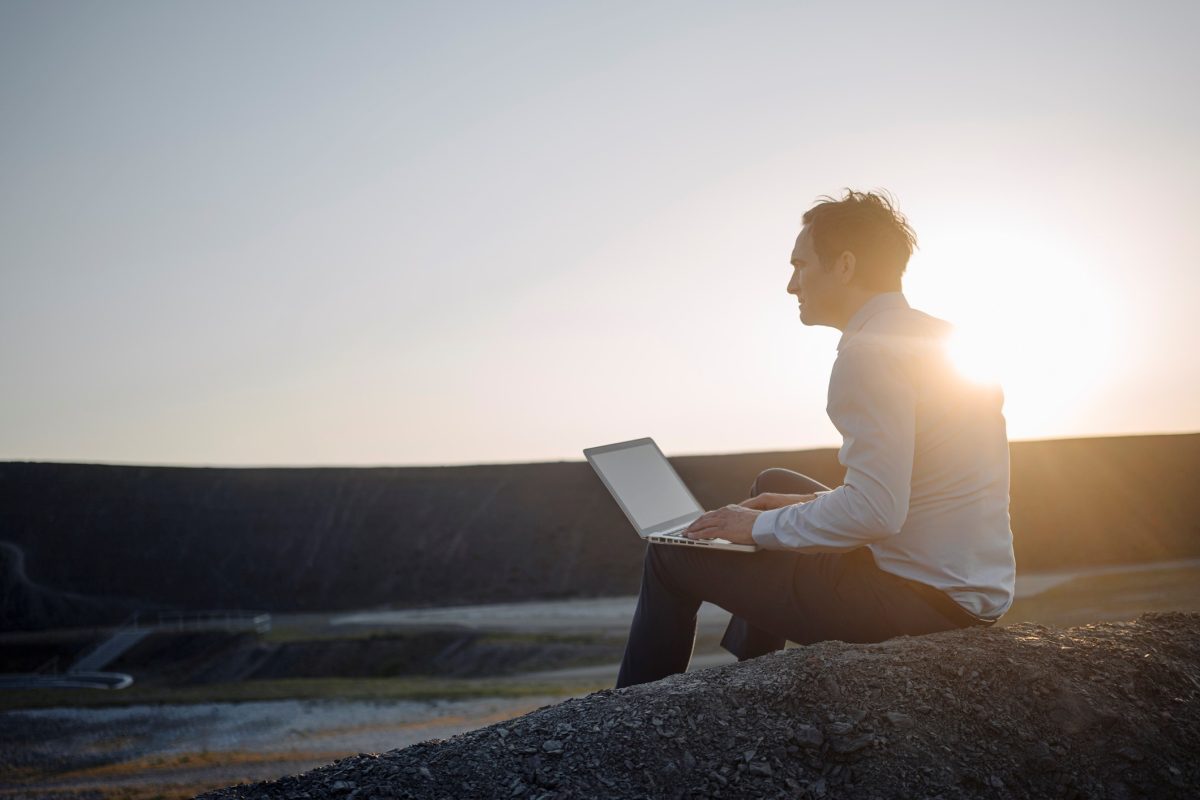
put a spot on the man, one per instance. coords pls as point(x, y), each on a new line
point(917, 538)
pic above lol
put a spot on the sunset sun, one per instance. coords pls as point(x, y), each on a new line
point(1034, 318)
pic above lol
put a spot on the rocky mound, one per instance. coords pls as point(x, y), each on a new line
point(1099, 711)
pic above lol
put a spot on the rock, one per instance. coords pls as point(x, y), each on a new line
point(1129, 754)
point(552, 746)
point(831, 687)
point(851, 745)
point(1045, 764)
point(899, 720)
point(760, 768)
point(808, 735)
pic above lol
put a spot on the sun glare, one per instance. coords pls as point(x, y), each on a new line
point(977, 356)
point(1029, 314)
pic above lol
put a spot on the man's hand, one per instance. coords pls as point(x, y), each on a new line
point(772, 500)
point(734, 523)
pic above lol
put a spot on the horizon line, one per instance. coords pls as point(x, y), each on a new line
point(168, 465)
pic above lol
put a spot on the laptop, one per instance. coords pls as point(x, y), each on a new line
point(651, 493)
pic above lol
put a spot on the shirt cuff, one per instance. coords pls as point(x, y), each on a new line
point(763, 532)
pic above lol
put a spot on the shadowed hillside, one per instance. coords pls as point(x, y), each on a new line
point(295, 539)
point(23, 602)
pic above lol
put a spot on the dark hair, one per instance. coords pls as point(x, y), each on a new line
point(869, 225)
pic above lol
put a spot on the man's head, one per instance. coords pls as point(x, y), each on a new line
point(848, 250)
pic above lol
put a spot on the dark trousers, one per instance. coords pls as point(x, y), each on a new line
point(774, 596)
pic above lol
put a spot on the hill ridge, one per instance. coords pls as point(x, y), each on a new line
point(343, 538)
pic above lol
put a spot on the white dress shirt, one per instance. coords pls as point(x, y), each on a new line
point(926, 458)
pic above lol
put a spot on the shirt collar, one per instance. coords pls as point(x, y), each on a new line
point(880, 302)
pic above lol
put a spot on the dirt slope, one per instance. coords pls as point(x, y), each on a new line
point(1099, 711)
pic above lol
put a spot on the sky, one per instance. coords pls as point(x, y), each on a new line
point(447, 233)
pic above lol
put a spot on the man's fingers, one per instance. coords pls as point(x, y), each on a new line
point(713, 520)
point(702, 524)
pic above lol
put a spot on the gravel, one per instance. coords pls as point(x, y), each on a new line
point(1100, 711)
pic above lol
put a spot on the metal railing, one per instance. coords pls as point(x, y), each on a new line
point(130, 624)
point(135, 627)
point(150, 621)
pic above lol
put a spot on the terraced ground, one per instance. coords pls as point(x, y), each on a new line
point(158, 741)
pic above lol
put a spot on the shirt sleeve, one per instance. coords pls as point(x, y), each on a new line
point(872, 403)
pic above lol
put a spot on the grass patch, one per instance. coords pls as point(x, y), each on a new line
point(297, 689)
point(1110, 598)
point(130, 792)
point(285, 633)
point(171, 762)
point(535, 638)
point(166, 777)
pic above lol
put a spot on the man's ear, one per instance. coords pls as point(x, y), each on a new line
point(845, 266)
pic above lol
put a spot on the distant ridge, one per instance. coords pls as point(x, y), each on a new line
point(331, 538)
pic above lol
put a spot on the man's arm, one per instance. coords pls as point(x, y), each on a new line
point(769, 500)
point(872, 402)
point(735, 523)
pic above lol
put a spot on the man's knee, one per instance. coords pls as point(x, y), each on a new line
point(783, 481)
point(661, 558)
point(772, 479)
point(667, 563)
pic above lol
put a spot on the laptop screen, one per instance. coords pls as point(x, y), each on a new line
point(646, 484)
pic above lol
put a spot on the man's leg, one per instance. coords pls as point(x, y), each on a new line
point(806, 598)
point(675, 580)
point(663, 632)
point(773, 596)
point(741, 638)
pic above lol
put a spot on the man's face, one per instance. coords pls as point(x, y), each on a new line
point(818, 290)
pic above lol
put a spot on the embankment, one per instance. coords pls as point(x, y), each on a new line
point(91, 541)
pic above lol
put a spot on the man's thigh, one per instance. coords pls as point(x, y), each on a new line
point(770, 589)
point(804, 597)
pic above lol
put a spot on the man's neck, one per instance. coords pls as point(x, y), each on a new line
point(854, 303)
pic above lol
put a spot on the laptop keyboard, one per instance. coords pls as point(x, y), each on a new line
point(679, 538)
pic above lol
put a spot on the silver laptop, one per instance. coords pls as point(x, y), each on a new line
point(651, 493)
